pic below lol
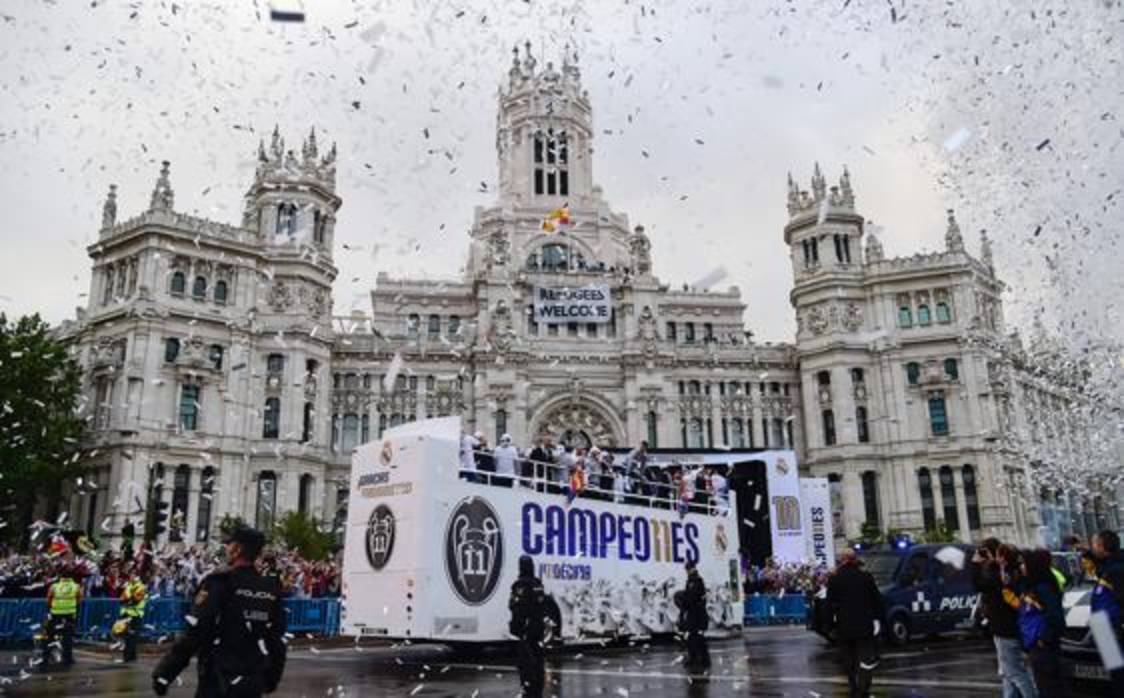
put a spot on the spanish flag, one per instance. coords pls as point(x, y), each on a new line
point(556, 219)
point(577, 484)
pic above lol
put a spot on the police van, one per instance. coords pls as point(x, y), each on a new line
point(926, 589)
point(431, 552)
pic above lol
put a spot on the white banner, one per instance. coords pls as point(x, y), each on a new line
point(815, 500)
point(592, 303)
point(785, 514)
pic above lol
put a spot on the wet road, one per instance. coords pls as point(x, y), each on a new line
point(765, 662)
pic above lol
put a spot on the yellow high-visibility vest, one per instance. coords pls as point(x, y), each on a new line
point(134, 599)
point(64, 598)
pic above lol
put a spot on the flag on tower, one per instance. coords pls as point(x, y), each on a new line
point(557, 219)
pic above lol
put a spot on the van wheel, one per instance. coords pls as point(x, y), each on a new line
point(553, 637)
point(899, 629)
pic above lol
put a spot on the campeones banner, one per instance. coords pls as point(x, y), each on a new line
point(582, 304)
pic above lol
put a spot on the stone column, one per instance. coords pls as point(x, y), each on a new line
point(854, 512)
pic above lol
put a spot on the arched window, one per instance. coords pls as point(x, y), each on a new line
point(319, 224)
point(737, 433)
point(861, 425)
point(944, 315)
point(413, 321)
point(215, 354)
point(555, 257)
point(828, 428)
point(199, 288)
point(948, 499)
point(266, 500)
point(905, 316)
point(271, 418)
point(971, 501)
point(304, 495)
point(220, 292)
point(501, 424)
point(923, 317)
point(171, 349)
point(286, 219)
point(434, 329)
point(275, 363)
point(823, 378)
point(913, 372)
point(189, 407)
point(938, 415)
point(870, 497)
point(551, 164)
point(453, 328)
point(857, 376)
point(694, 388)
point(203, 514)
point(952, 369)
point(306, 426)
point(179, 284)
point(350, 433)
point(653, 424)
point(925, 484)
point(696, 433)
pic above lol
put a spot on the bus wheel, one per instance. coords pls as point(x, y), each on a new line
point(554, 624)
point(899, 629)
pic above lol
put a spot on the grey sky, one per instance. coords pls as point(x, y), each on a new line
point(90, 96)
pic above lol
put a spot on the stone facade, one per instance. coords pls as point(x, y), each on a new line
point(218, 380)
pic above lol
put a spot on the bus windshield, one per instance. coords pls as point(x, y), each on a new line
point(881, 566)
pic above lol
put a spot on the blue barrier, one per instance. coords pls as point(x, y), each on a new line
point(21, 619)
point(769, 609)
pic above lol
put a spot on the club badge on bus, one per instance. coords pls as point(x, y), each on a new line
point(380, 536)
point(474, 550)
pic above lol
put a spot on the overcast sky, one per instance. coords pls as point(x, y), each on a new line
point(1013, 117)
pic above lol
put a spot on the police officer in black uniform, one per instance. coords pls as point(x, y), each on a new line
point(235, 627)
point(528, 612)
point(858, 610)
point(694, 620)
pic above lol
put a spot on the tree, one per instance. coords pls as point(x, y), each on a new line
point(39, 424)
point(939, 533)
point(300, 532)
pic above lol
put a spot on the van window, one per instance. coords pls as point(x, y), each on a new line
point(944, 573)
point(914, 569)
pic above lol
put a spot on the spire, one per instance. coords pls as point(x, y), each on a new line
point(529, 62)
point(261, 151)
point(309, 149)
point(847, 195)
point(277, 144)
point(819, 186)
point(952, 238)
point(516, 72)
point(109, 208)
point(874, 252)
point(163, 198)
point(985, 251)
point(793, 196)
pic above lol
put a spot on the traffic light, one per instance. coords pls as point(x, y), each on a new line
point(159, 517)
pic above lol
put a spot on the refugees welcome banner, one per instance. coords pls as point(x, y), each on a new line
point(581, 304)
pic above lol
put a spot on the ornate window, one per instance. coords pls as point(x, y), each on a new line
point(696, 433)
point(189, 407)
point(365, 429)
point(199, 288)
point(671, 332)
point(938, 415)
point(181, 483)
point(179, 284)
point(286, 219)
point(434, 327)
point(923, 317)
point(107, 295)
point(350, 433)
point(304, 495)
point(823, 379)
point(905, 316)
point(453, 328)
point(501, 424)
point(552, 164)
point(861, 425)
point(944, 315)
point(971, 500)
point(913, 372)
point(952, 369)
point(694, 388)
point(171, 349)
point(828, 428)
point(275, 363)
point(306, 426)
point(948, 499)
point(412, 326)
point(870, 496)
point(319, 226)
point(271, 418)
point(220, 292)
point(266, 500)
point(215, 353)
point(555, 257)
point(689, 332)
point(925, 484)
point(858, 376)
point(653, 422)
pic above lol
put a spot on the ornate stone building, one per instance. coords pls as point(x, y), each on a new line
point(218, 381)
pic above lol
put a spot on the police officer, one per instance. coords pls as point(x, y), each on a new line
point(694, 620)
point(235, 627)
point(1106, 563)
point(856, 605)
point(528, 624)
point(134, 599)
point(62, 607)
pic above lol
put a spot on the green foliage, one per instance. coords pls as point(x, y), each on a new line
point(870, 534)
point(938, 534)
point(40, 426)
point(228, 523)
point(299, 532)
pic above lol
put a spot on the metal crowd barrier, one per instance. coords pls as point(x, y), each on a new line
point(774, 609)
point(22, 619)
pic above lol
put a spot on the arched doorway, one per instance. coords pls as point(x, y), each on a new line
point(577, 423)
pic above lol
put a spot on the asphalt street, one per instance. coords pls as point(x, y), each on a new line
point(765, 662)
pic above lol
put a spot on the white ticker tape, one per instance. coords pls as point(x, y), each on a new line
point(1105, 638)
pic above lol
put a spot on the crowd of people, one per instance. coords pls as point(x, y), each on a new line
point(788, 578)
point(166, 573)
point(596, 473)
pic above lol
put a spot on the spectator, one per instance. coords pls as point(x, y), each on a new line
point(505, 456)
point(542, 458)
